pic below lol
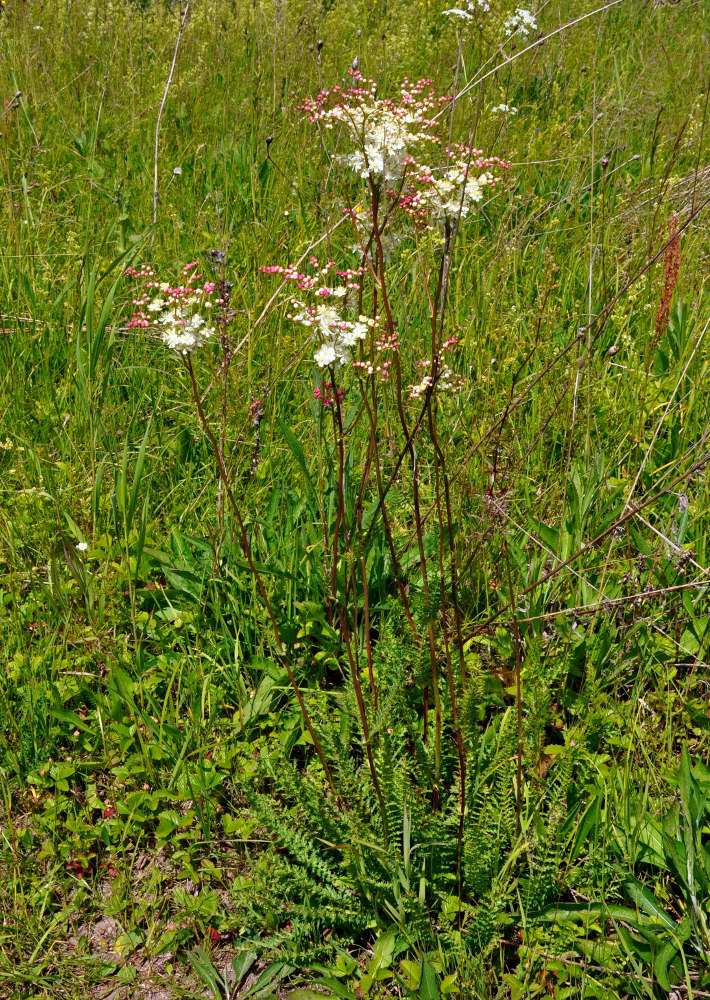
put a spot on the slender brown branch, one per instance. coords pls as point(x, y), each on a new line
point(630, 513)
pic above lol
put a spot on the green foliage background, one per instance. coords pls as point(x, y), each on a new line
point(163, 816)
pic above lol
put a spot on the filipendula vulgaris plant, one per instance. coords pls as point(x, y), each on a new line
point(388, 783)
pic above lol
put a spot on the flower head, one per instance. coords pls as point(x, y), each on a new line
point(452, 192)
point(335, 335)
point(473, 7)
point(184, 333)
point(384, 133)
point(522, 22)
point(173, 310)
point(328, 316)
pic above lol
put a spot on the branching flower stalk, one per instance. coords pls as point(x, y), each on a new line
point(518, 688)
point(386, 138)
point(416, 505)
point(598, 321)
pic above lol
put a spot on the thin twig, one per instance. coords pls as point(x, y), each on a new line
point(588, 546)
point(600, 318)
point(246, 547)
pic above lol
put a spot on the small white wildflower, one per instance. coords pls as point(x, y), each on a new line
point(417, 391)
point(177, 170)
point(184, 334)
point(453, 193)
point(82, 547)
point(325, 355)
point(522, 22)
point(359, 329)
point(473, 7)
point(505, 109)
point(385, 138)
point(156, 305)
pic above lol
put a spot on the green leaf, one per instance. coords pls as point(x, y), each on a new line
point(306, 994)
point(646, 901)
point(272, 973)
point(66, 715)
point(590, 822)
point(383, 951)
point(428, 988)
point(241, 964)
point(663, 959)
point(169, 823)
point(138, 474)
point(413, 973)
point(128, 942)
point(298, 453)
point(450, 984)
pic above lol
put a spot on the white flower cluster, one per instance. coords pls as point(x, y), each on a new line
point(385, 140)
point(447, 380)
point(184, 333)
point(383, 132)
point(336, 336)
point(473, 7)
point(522, 22)
point(505, 109)
point(453, 193)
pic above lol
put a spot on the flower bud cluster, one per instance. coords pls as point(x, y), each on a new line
point(318, 280)
point(522, 22)
point(327, 394)
point(442, 378)
point(335, 335)
point(379, 366)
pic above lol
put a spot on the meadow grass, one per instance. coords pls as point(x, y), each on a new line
point(167, 829)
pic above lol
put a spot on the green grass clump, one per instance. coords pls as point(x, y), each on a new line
point(295, 700)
